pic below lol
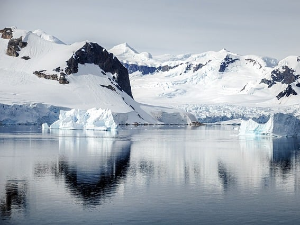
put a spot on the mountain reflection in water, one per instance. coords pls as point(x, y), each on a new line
point(147, 171)
point(91, 167)
point(15, 197)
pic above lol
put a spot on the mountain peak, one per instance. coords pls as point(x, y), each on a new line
point(47, 37)
point(123, 49)
point(224, 50)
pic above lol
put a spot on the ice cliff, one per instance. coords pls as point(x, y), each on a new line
point(92, 119)
point(279, 124)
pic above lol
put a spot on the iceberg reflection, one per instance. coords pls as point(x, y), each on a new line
point(217, 165)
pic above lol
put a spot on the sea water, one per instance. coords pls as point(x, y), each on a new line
point(147, 175)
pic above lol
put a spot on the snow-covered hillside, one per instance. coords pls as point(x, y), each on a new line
point(40, 73)
point(214, 85)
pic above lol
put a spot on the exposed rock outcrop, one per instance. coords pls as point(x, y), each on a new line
point(95, 54)
point(287, 92)
point(41, 74)
point(25, 57)
point(14, 46)
point(62, 78)
point(108, 87)
point(147, 69)
point(226, 62)
point(143, 69)
point(6, 33)
point(285, 75)
point(254, 62)
point(198, 67)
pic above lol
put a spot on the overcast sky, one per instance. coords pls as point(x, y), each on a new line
point(260, 27)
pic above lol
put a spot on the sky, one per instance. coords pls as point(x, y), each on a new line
point(258, 27)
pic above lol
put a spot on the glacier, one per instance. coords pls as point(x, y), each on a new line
point(279, 124)
point(212, 87)
point(106, 119)
point(92, 119)
point(30, 93)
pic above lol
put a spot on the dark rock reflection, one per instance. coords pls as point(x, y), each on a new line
point(282, 163)
point(15, 198)
point(227, 179)
point(285, 154)
point(96, 186)
point(92, 168)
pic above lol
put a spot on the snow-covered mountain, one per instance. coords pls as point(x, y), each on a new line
point(222, 84)
point(40, 75)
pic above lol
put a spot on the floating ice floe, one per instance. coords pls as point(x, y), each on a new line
point(279, 124)
point(92, 119)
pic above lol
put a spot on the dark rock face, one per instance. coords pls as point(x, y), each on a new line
point(148, 69)
point(287, 92)
point(57, 69)
point(143, 69)
point(286, 76)
point(95, 54)
point(188, 68)
point(254, 62)
point(165, 68)
point(14, 46)
point(197, 67)
point(226, 62)
point(7, 33)
point(25, 57)
point(41, 74)
point(108, 87)
point(267, 82)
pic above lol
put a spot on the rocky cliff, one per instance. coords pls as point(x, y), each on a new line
point(95, 54)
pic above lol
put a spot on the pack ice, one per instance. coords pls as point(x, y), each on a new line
point(279, 124)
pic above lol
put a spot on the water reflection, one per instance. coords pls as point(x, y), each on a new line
point(144, 171)
point(216, 164)
point(285, 152)
point(92, 164)
point(15, 198)
point(227, 179)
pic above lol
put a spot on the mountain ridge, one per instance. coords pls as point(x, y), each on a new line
point(209, 68)
point(41, 74)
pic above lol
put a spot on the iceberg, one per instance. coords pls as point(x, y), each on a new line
point(91, 119)
point(45, 126)
point(279, 124)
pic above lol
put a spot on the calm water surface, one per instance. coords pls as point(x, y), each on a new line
point(147, 175)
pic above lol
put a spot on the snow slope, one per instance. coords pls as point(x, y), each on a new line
point(90, 87)
point(19, 85)
point(215, 86)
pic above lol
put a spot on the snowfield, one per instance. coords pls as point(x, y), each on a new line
point(212, 87)
point(27, 99)
point(215, 86)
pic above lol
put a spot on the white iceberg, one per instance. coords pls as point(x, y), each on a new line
point(45, 126)
point(91, 119)
point(279, 124)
